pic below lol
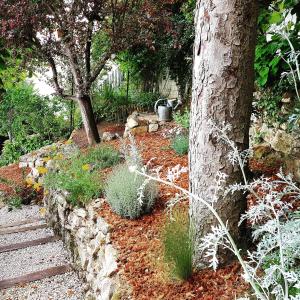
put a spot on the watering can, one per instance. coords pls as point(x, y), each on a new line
point(165, 108)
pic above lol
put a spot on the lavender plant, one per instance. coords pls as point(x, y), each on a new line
point(272, 269)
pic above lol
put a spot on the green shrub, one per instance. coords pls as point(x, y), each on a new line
point(178, 245)
point(14, 202)
point(180, 144)
point(182, 119)
point(102, 157)
point(79, 179)
point(122, 193)
point(12, 151)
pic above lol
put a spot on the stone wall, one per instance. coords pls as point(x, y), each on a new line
point(275, 143)
point(139, 123)
point(45, 158)
point(87, 236)
point(84, 233)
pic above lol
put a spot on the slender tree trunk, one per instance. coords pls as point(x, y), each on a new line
point(223, 80)
point(88, 119)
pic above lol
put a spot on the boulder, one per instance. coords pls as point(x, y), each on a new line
point(282, 142)
point(108, 136)
point(153, 127)
point(139, 130)
point(262, 150)
point(132, 123)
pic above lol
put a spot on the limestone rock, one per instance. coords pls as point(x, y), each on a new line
point(108, 136)
point(107, 288)
point(132, 123)
point(282, 142)
point(153, 127)
point(139, 130)
point(261, 150)
point(292, 166)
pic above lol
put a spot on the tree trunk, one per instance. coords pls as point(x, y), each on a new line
point(88, 119)
point(223, 80)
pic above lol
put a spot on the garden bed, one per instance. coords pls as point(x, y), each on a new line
point(140, 249)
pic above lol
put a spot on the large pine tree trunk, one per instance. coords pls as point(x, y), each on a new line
point(223, 80)
point(88, 119)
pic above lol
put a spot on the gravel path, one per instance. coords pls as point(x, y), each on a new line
point(66, 286)
point(32, 259)
point(17, 215)
point(8, 239)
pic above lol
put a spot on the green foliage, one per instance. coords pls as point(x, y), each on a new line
point(12, 150)
point(171, 52)
point(14, 202)
point(77, 177)
point(101, 157)
point(31, 121)
point(110, 102)
point(24, 112)
point(178, 244)
point(268, 65)
point(269, 105)
point(182, 119)
point(122, 193)
point(180, 144)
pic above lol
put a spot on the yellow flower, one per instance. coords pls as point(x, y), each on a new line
point(42, 211)
point(42, 170)
point(29, 181)
point(59, 156)
point(86, 167)
point(46, 159)
point(37, 186)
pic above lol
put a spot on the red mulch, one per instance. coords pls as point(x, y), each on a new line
point(13, 174)
point(140, 249)
point(79, 137)
point(138, 241)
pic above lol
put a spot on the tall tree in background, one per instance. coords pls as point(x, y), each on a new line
point(223, 82)
point(71, 33)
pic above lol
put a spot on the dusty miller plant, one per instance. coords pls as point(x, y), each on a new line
point(291, 58)
point(272, 269)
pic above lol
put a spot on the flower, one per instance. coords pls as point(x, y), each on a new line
point(86, 167)
point(42, 211)
point(29, 181)
point(37, 186)
point(42, 170)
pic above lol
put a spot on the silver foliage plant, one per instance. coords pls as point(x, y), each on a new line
point(273, 268)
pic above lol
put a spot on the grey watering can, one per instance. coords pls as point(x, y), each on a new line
point(165, 109)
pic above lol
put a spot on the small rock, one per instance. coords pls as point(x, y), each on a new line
point(108, 136)
point(153, 127)
point(132, 123)
point(282, 142)
point(107, 288)
point(102, 226)
point(139, 130)
point(80, 212)
point(261, 150)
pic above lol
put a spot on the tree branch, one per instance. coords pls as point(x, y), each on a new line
point(97, 70)
point(88, 50)
point(47, 55)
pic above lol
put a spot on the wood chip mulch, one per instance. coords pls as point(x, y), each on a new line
point(140, 249)
point(13, 174)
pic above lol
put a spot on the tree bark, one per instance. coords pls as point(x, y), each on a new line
point(223, 81)
point(88, 119)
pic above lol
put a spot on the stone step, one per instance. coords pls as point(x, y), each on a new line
point(17, 229)
point(28, 244)
point(34, 276)
point(19, 223)
point(32, 259)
